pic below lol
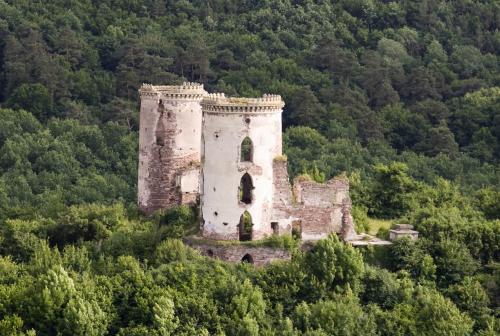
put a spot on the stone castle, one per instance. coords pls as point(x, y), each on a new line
point(224, 154)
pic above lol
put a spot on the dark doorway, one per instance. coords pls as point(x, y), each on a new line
point(247, 258)
point(246, 150)
point(275, 228)
point(245, 227)
point(246, 187)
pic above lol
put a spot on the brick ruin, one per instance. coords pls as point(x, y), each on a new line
point(315, 209)
point(224, 155)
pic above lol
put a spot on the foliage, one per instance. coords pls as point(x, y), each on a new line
point(391, 190)
point(334, 266)
point(130, 281)
point(401, 96)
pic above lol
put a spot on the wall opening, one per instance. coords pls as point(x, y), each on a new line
point(160, 127)
point(247, 258)
point(275, 228)
point(246, 187)
point(245, 227)
point(297, 229)
point(210, 253)
point(246, 150)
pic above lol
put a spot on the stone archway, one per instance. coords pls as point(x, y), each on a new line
point(247, 258)
point(245, 227)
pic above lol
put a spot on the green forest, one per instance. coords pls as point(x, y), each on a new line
point(402, 97)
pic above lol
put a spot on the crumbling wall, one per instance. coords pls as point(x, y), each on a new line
point(319, 206)
point(283, 199)
point(169, 146)
point(165, 170)
point(257, 255)
point(314, 209)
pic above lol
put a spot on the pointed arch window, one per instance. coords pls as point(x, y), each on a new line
point(245, 227)
point(246, 187)
point(246, 150)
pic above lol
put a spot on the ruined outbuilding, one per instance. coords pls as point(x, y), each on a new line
point(402, 230)
point(224, 154)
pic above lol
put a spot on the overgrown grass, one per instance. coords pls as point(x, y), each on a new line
point(286, 242)
point(375, 225)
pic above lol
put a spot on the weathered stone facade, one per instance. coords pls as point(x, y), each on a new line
point(257, 255)
point(227, 122)
point(313, 209)
point(402, 230)
point(169, 146)
point(225, 154)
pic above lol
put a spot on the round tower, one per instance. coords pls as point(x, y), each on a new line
point(169, 145)
point(241, 137)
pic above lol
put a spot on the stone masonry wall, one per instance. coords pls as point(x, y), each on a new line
point(315, 209)
point(283, 200)
point(259, 255)
point(319, 206)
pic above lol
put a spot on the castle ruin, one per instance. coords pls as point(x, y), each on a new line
point(224, 154)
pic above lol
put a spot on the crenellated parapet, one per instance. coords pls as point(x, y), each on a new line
point(219, 103)
point(186, 91)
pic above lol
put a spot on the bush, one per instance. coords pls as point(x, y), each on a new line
point(178, 221)
point(172, 250)
point(359, 214)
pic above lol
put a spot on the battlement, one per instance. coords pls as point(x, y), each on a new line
point(188, 90)
point(219, 103)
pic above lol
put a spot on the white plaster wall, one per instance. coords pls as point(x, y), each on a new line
point(190, 181)
point(188, 117)
point(222, 171)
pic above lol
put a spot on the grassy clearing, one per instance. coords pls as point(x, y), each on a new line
point(376, 224)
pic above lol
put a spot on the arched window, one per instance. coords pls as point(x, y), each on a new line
point(246, 187)
point(247, 258)
point(245, 227)
point(246, 150)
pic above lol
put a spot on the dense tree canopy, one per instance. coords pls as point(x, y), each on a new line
point(401, 96)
